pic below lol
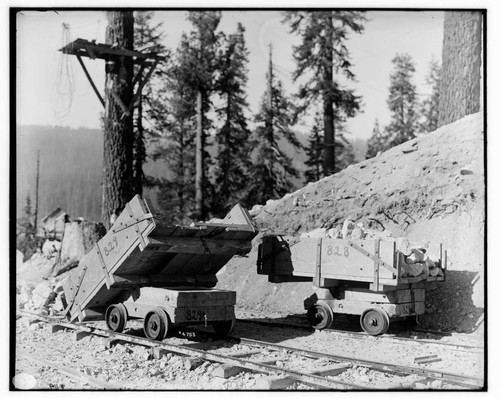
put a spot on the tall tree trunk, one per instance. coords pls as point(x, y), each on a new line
point(37, 183)
point(139, 150)
point(117, 179)
point(269, 123)
point(329, 154)
point(460, 84)
point(200, 169)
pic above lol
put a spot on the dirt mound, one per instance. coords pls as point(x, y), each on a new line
point(429, 189)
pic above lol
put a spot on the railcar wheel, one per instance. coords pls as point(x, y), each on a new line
point(320, 316)
point(224, 328)
point(156, 324)
point(374, 321)
point(116, 317)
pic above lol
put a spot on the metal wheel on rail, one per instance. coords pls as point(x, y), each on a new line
point(320, 316)
point(156, 324)
point(116, 317)
point(223, 328)
point(374, 321)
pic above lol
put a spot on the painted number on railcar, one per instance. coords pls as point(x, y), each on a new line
point(111, 246)
point(195, 315)
point(337, 251)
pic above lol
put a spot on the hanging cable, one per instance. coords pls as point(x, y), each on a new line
point(65, 81)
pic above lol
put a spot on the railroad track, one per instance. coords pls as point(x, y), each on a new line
point(271, 359)
point(363, 335)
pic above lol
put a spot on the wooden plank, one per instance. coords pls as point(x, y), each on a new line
point(197, 245)
point(357, 307)
point(159, 352)
point(227, 371)
point(54, 328)
point(120, 103)
point(246, 353)
point(274, 383)
point(394, 296)
point(89, 78)
point(90, 50)
point(80, 334)
point(141, 86)
point(376, 265)
point(110, 342)
point(103, 51)
point(333, 370)
point(191, 363)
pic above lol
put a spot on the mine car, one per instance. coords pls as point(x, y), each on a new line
point(365, 279)
point(162, 274)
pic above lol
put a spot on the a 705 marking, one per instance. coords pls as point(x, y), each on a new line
point(337, 251)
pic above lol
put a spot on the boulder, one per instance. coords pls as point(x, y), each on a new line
point(42, 295)
point(51, 247)
point(404, 246)
point(25, 293)
point(347, 228)
point(358, 233)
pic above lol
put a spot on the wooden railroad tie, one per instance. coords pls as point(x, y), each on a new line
point(427, 359)
point(282, 382)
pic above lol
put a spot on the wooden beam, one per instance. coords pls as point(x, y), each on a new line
point(90, 50)
point(199, 244)
point(161, 280)
point(226, 371)
point(119, 101)
point(104, 50)
point(90, 80)
point(138, 75)
point(142, 84)
point(274, 383)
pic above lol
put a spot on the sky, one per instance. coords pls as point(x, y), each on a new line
point(44, 73)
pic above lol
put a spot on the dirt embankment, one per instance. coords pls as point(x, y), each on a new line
point(429, 189)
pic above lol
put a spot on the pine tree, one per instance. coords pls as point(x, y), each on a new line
point(233, 158)
point(377, 142)
point(402, 102)
point(272, 173)
point(314, 152)
point(430, 105)
point(37, 196)
point(147, 38)
point(117, 180)
point(28, 211)
point(322, 55)
point(173, 112)
point(202, 59)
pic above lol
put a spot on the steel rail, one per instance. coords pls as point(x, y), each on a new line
point(461, 380)
point(71, 373)
point(362, 335)
point(307, 378)
point(380, 366)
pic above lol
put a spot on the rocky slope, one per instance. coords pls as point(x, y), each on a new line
point(429, 189)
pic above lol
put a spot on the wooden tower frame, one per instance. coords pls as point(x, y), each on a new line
point(110, 54)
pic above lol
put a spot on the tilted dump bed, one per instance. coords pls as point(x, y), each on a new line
point(138, 251)
point(377, 262)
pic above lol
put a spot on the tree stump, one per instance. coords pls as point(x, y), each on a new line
point(79, 238)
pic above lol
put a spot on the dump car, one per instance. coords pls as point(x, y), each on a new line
point(367, 280)
point(163, 274)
